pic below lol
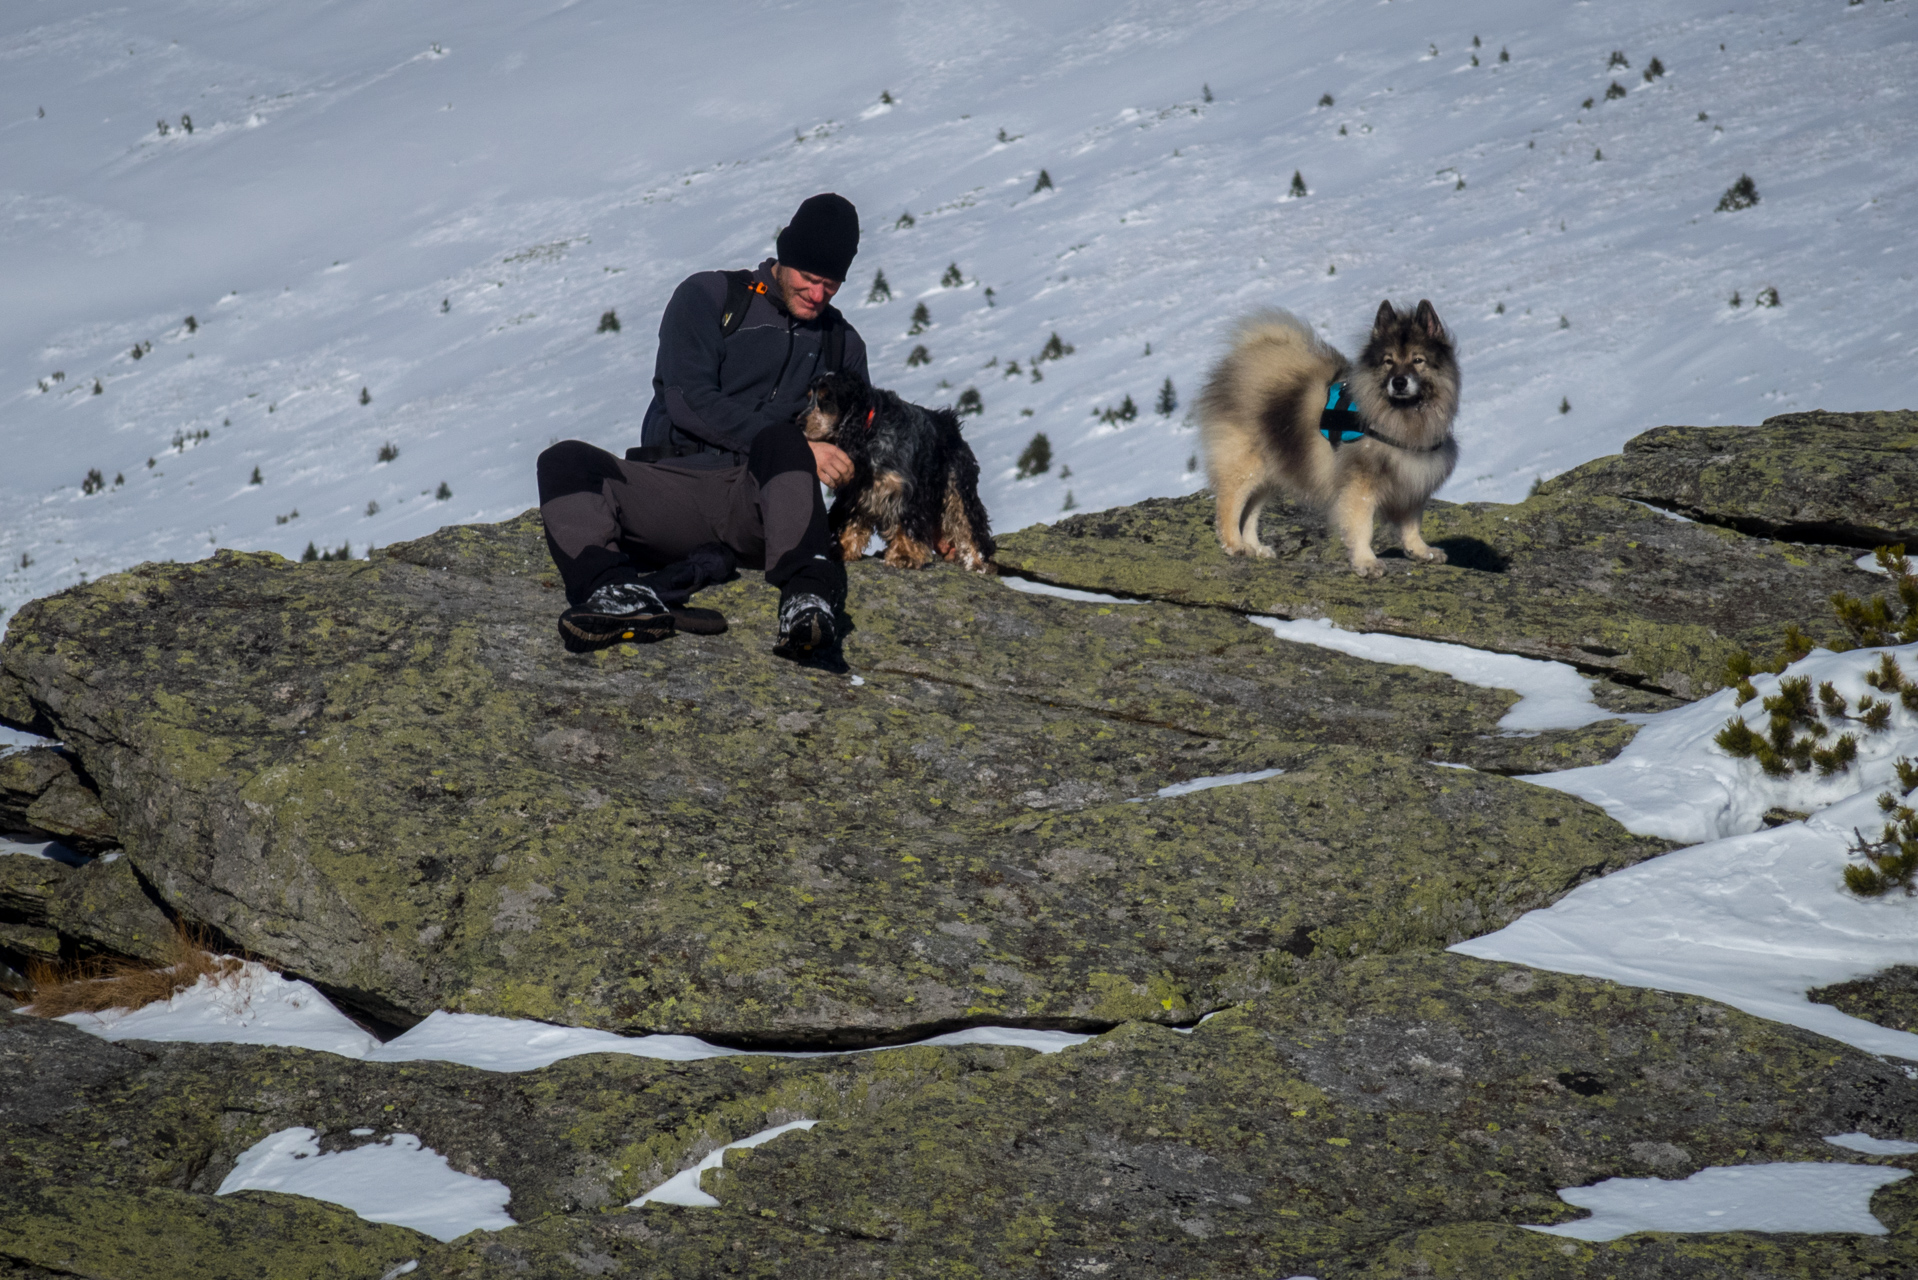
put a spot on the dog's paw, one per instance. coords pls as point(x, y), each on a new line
point(1260, 550)
point(1431, 555)
point(1368, 568)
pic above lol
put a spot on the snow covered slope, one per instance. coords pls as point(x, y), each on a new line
point(436, 202)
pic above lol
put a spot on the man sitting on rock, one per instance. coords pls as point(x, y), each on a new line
point(725, 474)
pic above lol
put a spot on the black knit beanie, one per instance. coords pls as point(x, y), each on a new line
point(822, 237)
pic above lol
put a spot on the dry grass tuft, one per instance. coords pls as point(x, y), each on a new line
point(90, 986)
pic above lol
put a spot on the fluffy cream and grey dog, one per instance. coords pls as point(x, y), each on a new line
point(1284, 409)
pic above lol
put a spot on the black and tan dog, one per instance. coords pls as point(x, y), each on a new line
point(1284, 410)
point(915, 481)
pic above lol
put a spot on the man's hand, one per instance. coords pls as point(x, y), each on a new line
point(834, 467)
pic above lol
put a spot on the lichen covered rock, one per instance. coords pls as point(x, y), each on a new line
point(388, 778)
point(1397, 1116)
point(1846, 478)
point(1598, 582)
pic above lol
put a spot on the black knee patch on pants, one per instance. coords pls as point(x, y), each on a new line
point(573, 466)
point(777, 450)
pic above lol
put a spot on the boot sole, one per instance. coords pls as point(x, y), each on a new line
point(699, 622)
point(581, 632)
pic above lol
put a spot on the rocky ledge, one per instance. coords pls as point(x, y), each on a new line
point(386, 777)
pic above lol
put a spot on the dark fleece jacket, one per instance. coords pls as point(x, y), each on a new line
point(717, 393)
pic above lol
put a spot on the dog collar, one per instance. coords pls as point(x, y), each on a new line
point(1340, 423)
point(869, 416)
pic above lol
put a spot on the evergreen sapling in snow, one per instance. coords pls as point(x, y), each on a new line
point(1037, 457)
point(952, 279)
point(1168, 400)
point(880, 292)
point(918, 356)
point(608, 322)
point(1742, 194)
point(921, 320)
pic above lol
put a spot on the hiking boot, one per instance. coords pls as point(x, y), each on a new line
point(809, 633)
point(693, 621)
point(617, 611)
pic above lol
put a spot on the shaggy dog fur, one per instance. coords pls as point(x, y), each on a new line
point(1259, 426)
point(915, 480)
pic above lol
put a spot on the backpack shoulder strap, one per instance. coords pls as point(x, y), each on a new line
point(834, 357)
point(740, 288)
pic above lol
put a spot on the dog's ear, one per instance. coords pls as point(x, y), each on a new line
point(1427, 319)
point(1388, 318)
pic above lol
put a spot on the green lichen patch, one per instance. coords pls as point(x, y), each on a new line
point(1848, 478)
point(1888, 997)
point(75, 911)
point(387, 777)
point(155, 1233)
point(1595, 581)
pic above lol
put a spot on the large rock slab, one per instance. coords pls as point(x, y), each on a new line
point(1400, 1116)
point(1595, 581)
point(388, 778)
point(50, 912)
point(1846, 478)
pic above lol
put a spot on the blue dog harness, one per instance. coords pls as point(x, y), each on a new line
point(1340, 423)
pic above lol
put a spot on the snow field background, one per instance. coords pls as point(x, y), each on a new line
point(437, 203)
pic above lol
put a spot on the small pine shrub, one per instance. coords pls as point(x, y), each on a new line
point(1125, 412)
point(1191, 463)
point(372, 508)
point(1617, 60)
point(1891, 861)
point(1737, 300)
point(885, 96)
point(1045, 180)
point(137, 351)
point(94, 481)
point(186, 122)
point(366, 397)
point(952, 279)
point(969, 403)
point(163, 127)
point(446, 305)
point(1767, 297)
point(256, 477)
point(1614, 90)
point(881, 290)
point(389, 451)
point(1504, 55)
point(1564, 322)
point(1499, 310)
point(442, 493)
point(1586, 105)
point(1475, 59)
point(608, 321)
point(344, 553)
point(1564, 404)
point(1012, 369)
point(1742, 194)
point(97, 388)
point(309, 555)
point(1653, 70)
point(1055, 349)
point(192, 325)
point(1071, 503)
point(1298, 190)
point(921, 320)
point(905, 220)
point(1325, 100)
point(1036, 458)
point(918, 356)
point(118, 479)
point(1879, 621)
point(1168, 402)
point(990, 297)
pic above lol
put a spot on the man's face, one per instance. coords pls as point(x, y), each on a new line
point(805, 294)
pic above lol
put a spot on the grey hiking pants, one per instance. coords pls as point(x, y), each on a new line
point(610, 520)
